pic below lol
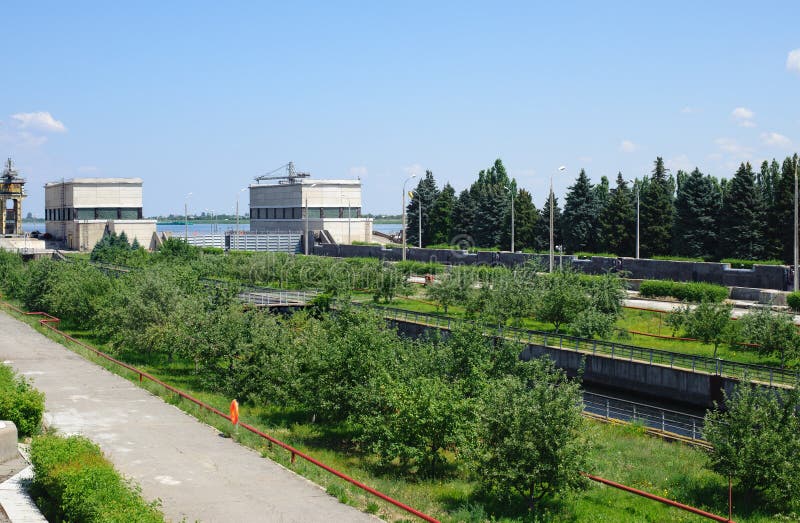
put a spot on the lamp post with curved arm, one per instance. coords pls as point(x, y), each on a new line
point(552, 254)
point(404, 213)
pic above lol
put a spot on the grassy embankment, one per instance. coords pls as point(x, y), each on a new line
point(622, 454)
point(631, 320)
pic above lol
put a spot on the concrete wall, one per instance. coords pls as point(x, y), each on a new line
point(653, 381)
point(359, 229)
point(759, 277)
point(95, 192)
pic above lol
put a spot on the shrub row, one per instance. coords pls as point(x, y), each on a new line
point(793, 300)
point(19, 402)
point(737, 263)
point(74, 482)
point(692, 291)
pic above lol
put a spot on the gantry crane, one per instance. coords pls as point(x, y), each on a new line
point(290, 176)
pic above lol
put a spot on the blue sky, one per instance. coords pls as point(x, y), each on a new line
point(203, 96)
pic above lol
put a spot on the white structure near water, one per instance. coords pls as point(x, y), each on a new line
point(80, 211)
point(331, 209)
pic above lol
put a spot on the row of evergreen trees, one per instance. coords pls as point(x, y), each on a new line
point(748, 216)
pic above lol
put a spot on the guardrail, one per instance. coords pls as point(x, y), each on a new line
point(613, 350)
point(662, 420)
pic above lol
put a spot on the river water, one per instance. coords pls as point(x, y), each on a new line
point(208, 228)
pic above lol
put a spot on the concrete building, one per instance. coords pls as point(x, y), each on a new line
point(332, 207)
point(12, 190)
point(81, 210)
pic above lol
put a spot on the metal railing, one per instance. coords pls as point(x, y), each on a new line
point(663, 420)
point(613, 350)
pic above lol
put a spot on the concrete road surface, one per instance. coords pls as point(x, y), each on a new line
point(198, 475)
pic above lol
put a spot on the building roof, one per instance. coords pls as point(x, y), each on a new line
point(91, 181)
point(307, 183)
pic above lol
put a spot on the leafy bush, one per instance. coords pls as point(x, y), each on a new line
point(737, 263)
point(74, 482)
point(793, 300)
point(587, 255)
point(773, 332)
point(19, 402)
point(690, 291)
point(678, 258)
point(756, 440)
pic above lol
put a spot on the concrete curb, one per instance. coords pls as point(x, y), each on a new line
point(14, 498)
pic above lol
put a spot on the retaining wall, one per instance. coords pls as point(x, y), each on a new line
point(774, 277)
point(643, 379)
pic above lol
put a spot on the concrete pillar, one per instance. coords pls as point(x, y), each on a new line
point(3, 216)
point(18, 216)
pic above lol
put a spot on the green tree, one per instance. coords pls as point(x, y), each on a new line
point(657, 212)
point(464, 218)
point(741, 219)
point(774, 333)
point(492, 198)
point(618, 221)
point(580, 215)
point(780, 211)
point(697, 207)
point(390, 281)
point(709, 322)
point(528, 439)
point(601, 194)
point(560, 297)
point(441, 218)
point(526, 220)
point(542, 226)
point(756, 441)
point(427, 193)
point(414, 421)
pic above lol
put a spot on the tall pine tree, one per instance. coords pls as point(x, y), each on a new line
point(657, 212)
point(618, 221)
point(426, 192)
point(526, 220)
point(697, 207)
point(580, 215)
point(442, 216)
point(740, 218)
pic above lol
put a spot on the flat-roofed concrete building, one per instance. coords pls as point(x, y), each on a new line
point(333, 209)
point(80, 211)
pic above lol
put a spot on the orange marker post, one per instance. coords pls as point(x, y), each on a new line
point(235, 415)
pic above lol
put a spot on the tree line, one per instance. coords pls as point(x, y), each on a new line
point(689, 214)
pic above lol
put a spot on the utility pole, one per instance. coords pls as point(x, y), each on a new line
point(552, 253)
point(796, 252)
point(419, 215)
point(404, 214)
point(512, 221)
point(186, 218)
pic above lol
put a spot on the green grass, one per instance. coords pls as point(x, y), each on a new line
point(621, 454)
point(632, 320)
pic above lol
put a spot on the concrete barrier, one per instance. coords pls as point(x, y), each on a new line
point(8, 441)
point(659, 382)
point(775, 277)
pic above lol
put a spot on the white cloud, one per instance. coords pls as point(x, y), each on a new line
point(774, 139)
point(734, 149)
point(39, 121)
point(627, 146)
point(793, 61)
point(688, 110)
point(744, 117)
point(21, 139)
point(680, 162)
point(359, 171)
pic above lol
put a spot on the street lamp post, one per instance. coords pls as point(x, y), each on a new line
point(511, 190)
point(349, 219)
point(637, 188)
point(186, 218)
point(796, 252)
point(305, 237)
point(552, 254)
point(419, 216)
point(237, 214)
point(404, 213)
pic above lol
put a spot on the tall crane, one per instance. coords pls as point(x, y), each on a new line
point(289, 174)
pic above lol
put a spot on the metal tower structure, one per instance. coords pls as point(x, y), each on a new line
point(12, 188)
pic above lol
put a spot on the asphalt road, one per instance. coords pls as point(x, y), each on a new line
point(197, 474)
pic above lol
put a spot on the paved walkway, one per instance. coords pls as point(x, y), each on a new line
point(198, 475)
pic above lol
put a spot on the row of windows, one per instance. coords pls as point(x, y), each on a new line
point(294, 213)
point(97, 213)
